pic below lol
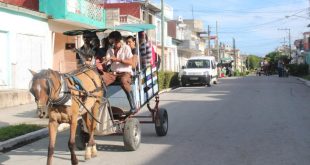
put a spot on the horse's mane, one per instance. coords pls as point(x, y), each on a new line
point(42, 74)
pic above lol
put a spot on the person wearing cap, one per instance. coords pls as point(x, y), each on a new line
point(121, 67)
point(86, 53)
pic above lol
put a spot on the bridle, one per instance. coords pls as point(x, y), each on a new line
point(63, 98)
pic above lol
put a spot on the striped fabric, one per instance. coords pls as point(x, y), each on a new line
point(146, 54)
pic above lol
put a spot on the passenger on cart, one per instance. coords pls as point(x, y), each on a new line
point(121, 57)
point(100, 54)
point(131, 42)
point(86, 53)
point(145, 50)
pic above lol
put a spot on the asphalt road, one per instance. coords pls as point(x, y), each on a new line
point(240, 121)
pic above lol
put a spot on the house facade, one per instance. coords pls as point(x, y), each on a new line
point(31, 38)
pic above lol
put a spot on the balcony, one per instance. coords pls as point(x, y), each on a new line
point(76, 12)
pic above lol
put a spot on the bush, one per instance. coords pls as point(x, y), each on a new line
point(167, 79)
point(298, 69)
point(238, 73)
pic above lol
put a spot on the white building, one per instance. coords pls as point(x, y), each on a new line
point(23, 36)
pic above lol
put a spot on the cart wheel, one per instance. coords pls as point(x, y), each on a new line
point(161, 122)
point(132, 134)
point(81, 137)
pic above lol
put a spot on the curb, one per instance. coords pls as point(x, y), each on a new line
point(167, 90)
point(307, 82)
point(8, 144)
point(20, 139)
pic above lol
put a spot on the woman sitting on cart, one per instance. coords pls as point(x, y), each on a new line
point(121, 67)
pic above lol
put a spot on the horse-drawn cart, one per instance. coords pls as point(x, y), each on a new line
point(114, 116)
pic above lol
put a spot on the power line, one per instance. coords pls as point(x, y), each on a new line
point(237, 11)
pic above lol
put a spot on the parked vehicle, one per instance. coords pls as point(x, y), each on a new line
point(199, 70)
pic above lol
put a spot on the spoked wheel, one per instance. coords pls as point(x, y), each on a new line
point(161, 122)
point(132, 134)
point(81, 137)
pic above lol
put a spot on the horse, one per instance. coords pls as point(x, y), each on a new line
point(65, 97)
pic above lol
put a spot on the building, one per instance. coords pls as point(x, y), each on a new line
point(24, 44)
point(193, 43)
point(70, 15)
point(31, 38)
point(306, 47)
point(119, 12)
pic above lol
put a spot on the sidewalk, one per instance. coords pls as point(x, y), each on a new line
point(307, 82)
point(23, 114)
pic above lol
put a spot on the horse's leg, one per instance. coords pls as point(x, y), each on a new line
point(52, 127)
point(71, 143)
point(92, 130)
point(87, 119)
point(91, 150)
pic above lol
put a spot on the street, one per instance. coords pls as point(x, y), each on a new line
point(241, 121)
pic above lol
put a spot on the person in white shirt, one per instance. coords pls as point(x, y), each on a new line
point(121, 68)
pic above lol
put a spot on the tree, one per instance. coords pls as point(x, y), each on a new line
point(274, 57)
point(253, 61)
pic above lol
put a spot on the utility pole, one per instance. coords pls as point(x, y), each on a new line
point(289, 41)
point(217, 43)
point(234, 52)
point(209, 45)
point(146, 11)
point(193, 12)
point(162, 36)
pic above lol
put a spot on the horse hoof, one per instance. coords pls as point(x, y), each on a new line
point(88, 154)
point(94, 151)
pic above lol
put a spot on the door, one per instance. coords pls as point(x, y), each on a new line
point(29, 56)
point(4, 62)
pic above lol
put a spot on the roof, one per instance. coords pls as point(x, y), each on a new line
point(124, 27)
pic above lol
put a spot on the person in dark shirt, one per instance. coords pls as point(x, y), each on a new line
point(86, 53)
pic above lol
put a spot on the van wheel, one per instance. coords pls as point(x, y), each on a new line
point(215, 81)
point(183, 84)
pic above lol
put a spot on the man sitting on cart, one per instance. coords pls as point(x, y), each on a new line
point(86, 52)
point(121, 68)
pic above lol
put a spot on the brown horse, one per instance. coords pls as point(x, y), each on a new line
point(64, 97)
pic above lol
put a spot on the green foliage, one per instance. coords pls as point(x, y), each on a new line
point(17, 130)
point(238, 73)
point(306, 77)
point(298, 69)
point(274, 57)
point(167, 79)
point(253, 61)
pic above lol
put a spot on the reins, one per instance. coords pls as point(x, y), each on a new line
point(67, 94)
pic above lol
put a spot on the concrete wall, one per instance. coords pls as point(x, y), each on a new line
point(29, 46)
point(27, 42)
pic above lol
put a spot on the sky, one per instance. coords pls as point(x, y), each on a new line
point(255, 24)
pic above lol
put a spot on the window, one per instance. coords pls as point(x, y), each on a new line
point(198, 64)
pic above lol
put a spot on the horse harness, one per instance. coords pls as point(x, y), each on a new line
point(65, 94)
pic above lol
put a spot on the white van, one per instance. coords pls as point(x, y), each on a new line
point(202, 70)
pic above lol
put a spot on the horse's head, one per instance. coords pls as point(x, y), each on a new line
point(40, 89)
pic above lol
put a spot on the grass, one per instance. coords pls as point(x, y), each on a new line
point(17, 130)
point(306, 77)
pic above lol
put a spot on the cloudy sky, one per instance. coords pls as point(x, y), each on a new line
point(254, 24)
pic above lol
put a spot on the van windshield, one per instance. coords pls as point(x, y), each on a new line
point(198, 64)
